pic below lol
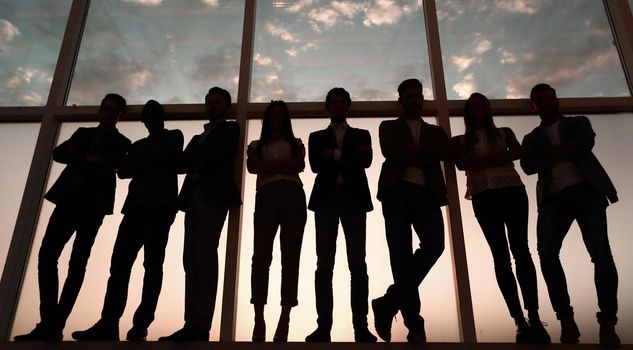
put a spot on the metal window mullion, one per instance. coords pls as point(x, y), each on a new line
point(621, 21)
point(26, 223)
point(234, 231)
point(458, 249)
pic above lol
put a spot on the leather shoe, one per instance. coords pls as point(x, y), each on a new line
point(319, 335)
point(186, 334)
point(383, 316)
point(100, 331)
point(136, 334)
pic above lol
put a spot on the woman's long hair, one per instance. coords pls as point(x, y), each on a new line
point(469, 121)
point(286, 131)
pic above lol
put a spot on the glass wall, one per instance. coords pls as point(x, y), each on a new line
point(14, 137)
point(492, 318)
point(87, 310)
point(304, 48)
point(567, 42)
point(31, 34)
point(437, 292)
point(172, 51)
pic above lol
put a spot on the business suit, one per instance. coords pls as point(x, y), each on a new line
point(585, 202)
point(206, 196)
point(83, 194)
point(340, 192)
point(405, 203)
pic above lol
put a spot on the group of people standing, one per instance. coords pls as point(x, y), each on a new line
point(572, 186)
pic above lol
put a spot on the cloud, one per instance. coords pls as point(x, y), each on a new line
point(33, 99)
point(145, 2)
point(462, 62)
point(382, 12)
point(297, 7)
point(294, 51)
point(467, 86)
point(212, 3)
point(8, 30)
point(508, 57)
point(482, 45)
point(265, 61)
point(528, 7)
point(280, 32)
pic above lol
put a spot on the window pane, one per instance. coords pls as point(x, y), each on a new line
point(568, 43)
point(437, 292)
point(304, 48)
point(87, 310)
point(31, 34)
point(172, 51)
point(492, 318)
point(13, 137)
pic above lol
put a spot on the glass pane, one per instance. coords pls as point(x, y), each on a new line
point(568, 43)
point(437, 292)
point(87, 310)
point(304, 48)
point(31, 33)
point(13, 137)
point(491, 315)
point(172, 51)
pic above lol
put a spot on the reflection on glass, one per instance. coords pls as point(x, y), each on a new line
point(437, 292)
point(171, 51)
point(31, 34)
point(492, 319)
point(303, 48)
point(13, 137)
point(538, 43)
point(87, 310)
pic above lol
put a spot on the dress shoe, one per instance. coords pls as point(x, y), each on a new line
point(569, 333)
point(523, 335)
point(363, 335)
point(100, 331)
point(607, 335)
point(417, 336)
point(319, 335)
point(383, 316)
point(538, 333)
point(187, 334)
point(41, 332)
point(136, 333)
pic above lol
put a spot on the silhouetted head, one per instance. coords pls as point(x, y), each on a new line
point(276, 119)
point(410, 97)
point(544, 102)
point(112, 108)
point(337, 104)
point(153, 116)
point(477, 112)
point(217, 103)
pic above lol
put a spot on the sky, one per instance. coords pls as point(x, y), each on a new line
point(173, 50)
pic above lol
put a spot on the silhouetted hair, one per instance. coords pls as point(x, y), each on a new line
point(540, 87)
point(492, 135)
point(153, 108)
point(286, 131)
point(116, 98)
point(338, 91)
point(220, 91)
point(409, 83)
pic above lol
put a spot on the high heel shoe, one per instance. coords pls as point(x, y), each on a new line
point(259, 332)
point(281, 334)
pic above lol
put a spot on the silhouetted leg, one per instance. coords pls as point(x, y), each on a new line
point(128, 243)
point(326, 223)
point(61, 227)
point(265, 224)
point(156, 235)
point(554, 220)
point(592, 220)
point(489, 212)
point(354, 228)
point(84, 239)
point(293, 221)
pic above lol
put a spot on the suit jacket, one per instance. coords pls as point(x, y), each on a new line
point(394, 136)
point(153, 163)
point(88, 185)
point(351, 167)
point(209, 166)
point(578, 133)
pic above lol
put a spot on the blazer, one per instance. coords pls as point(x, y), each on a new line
point(209, 166)
point(578, 133)
point(351, 167)
point(394, 135)
point(88, 185)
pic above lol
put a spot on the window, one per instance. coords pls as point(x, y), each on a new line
point(31, 34)
point(303, 49)
point(171, 51)
point(503, 48)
